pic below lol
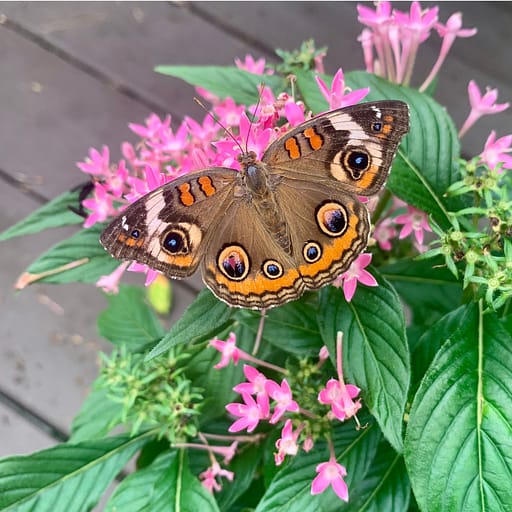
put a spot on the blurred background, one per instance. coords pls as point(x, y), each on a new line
point(75, 73)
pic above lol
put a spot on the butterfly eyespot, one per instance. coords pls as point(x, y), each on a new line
point(377, 127)
point(233, 262)
point(332, 219)
point(175, 242)
point(272, 269)
point(357, 161)
point(135, 233)
point(312, 252)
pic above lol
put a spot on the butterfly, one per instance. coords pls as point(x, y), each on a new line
point(287, 223)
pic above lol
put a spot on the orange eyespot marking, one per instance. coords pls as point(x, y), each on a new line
point(186, 197)
point(206, 185)
point(292, 147)
point(121, 238)
point(389, 119)
point(316, 141)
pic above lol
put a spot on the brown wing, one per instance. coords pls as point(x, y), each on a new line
point(169, 228)
point(353, 145)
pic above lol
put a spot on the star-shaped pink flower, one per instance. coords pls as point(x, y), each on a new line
point(228, 350)
point(282, 394)
point(335, 95)
point(495, 151)
point(340, 397)
point(356, 273)
point(330, 474)
point(249, 413)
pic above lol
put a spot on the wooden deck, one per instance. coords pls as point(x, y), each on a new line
point(73, 76)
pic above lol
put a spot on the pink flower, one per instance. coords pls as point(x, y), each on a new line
point(336, 393)
point(340, 397)
point(308, 443)
point(151, 274)
point(228, 350)
point(282, 394)
point(208, 477)
point(481, 105)
point(253, 66)
point(294, 113)
point(110, 283)
point(449, 33)
point(255, 386)
point(413, 221)
point(356, 273)
point(495, 151)
point(229, 112)
point(384, 233)
point(287, 443)
point(153, 126)
point(336, 96)
point(378, 18)
point(97, 163)
point(100, 205)
point(249, 413)
point(118, 179)
point(418, 22)
point(330, 474)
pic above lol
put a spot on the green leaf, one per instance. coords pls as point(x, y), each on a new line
point(78, 258)
point(375, 350)
point(457, 446)
point(68, 477)
point(165, 485)
point(96, 417)
point(129, 320)
point(290, 489)
point(292, 327)
point(204, 318)
point(53, 214)
point(385, 487)
point(432, 340)
point(224, 81)
point(440, 291)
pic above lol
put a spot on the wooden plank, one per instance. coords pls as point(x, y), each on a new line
point(18, 436)
point(126, 40)
point(53, 114)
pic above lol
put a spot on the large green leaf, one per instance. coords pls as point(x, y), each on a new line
point(129, 320)
point(290, 488)
point(166, 485)
point(385, 488)
point(457, 447)
point(66, 478)
point(202, 320)
point(53, 214)
point(428, 288)
point(292, 327)
point(375, 350)
point(95, 417)
point(78, 258)
point(225, 81)
point(433, 338)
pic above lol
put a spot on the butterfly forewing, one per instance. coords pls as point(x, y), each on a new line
point(169, 228)
point(353, 145)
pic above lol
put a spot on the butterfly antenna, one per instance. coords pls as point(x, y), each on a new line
point(228, 132)
point(253, 117)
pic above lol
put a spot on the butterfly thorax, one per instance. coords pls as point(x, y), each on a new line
point(259, 186)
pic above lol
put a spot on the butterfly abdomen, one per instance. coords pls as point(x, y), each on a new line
point(260, 191)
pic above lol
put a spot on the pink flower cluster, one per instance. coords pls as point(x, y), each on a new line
point(264, 399)
point(392, 38)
